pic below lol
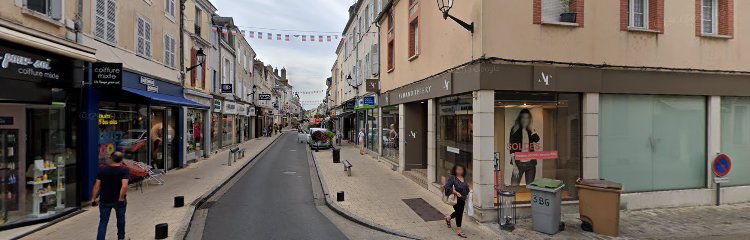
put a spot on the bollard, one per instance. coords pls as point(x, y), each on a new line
point(336, 155)
point(162, 231)
point(179, 201)
point(340, 196)
point(229, 158)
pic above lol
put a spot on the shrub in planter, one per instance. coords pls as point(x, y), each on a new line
point(567, 14)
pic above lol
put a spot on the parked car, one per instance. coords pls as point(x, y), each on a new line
point(302, 135)
point(320, 144)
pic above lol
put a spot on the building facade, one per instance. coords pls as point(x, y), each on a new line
point(618, 95)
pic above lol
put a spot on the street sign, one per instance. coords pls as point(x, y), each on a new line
point(721, 179)
point(722, 165)
point(264, 96)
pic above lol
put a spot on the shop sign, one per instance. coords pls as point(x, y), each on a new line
point(528, 156)
point(226, 88)
point(251, 111)
point(107, 75)
point(544, 78)
point(6, 120)
point(150, 84)
point(217, 105)
point(367, 102)
point(242, 110)
point(107, 119)
point(264, 96)
point(429, 88)
point(349, 105)
point(230, 107)
point(22, 65)
point(372, 85)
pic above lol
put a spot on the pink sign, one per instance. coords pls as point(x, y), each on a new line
point(526, 156)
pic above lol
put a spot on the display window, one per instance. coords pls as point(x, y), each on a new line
point(537, 135)
point(653, 142)
point(216, 124)
point(194, 132)
point(37, 163)
point(372, 130)
point(228, 130)
point(454, 135)
point(390, 133)
point(124, 128)
point(735, 138)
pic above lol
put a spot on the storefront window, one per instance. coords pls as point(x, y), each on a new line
point(37, 175)
point(216, 123)
point(194, 132)
point(228, 130)
point(653, 142)
point(372, 130)
point(537, 135)
point(390, 133)
point(735, 137)
point(123, 127)
point(454, 135)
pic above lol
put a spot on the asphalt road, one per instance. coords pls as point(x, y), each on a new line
point(272, 200)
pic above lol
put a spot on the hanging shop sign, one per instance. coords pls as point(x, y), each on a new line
point(230, 107)
point(241, 109)
point(227, 88)
point(106, 75)
point(372, 85)
point(22, 65)
point(367, 102)
point(349, 105)
point(264, 96)
point(217, 105)
point(251, 112)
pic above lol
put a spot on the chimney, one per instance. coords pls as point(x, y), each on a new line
point(276, 71)
point(283, 74)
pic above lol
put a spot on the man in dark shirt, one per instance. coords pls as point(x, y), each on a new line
point(112, 183)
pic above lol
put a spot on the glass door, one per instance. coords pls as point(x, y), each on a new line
point(171, 139)
point(8, 173)
point(157, 138)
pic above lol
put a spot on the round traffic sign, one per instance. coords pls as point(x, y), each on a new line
point(722, 165)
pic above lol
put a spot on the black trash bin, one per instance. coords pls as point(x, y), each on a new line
point(336, 155)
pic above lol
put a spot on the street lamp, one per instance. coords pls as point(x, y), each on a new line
point(445, 6)
point(201, 59)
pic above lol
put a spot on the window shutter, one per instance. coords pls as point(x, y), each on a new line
point(100, 22)
point(111, 20)
point(656, 15)
point(203, 75)
point(193, 59)
point(55, 9)
point(375, 59)
point(147, 35)
point(141, 41)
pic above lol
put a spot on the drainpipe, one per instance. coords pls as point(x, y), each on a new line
point(182, 42)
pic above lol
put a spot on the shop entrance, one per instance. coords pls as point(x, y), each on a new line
point(537, 135)
point(163, 143)
point(415, 141)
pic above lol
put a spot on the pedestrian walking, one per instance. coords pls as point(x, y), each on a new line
point(457, 186)
point(111, 187)
point(361, 141)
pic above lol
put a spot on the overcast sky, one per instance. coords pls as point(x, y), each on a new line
point(308, 64)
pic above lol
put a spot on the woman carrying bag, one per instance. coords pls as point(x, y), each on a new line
point(457, 187)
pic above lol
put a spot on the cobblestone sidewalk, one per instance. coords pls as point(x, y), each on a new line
point(155, 204)
point(705, 222)
point(374, 193)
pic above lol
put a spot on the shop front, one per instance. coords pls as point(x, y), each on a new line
point(197, 128)
point(39, 129)
point(216, 124)
point(369, 120)
point(390, 133)
point(229, 124)
point(142, 118)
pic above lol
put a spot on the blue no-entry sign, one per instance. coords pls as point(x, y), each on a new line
point(722, 165)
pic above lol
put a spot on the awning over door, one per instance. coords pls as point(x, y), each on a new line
point(166, 99)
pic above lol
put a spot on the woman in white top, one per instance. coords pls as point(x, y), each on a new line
point(362, 141)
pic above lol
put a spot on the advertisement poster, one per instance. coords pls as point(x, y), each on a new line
point(524, 129)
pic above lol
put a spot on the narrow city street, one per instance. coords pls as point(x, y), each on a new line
point(274, 200)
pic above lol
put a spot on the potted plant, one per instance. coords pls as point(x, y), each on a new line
point(567, 15)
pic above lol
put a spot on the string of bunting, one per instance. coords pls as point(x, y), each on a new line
point(311, 38)
point(311, 92)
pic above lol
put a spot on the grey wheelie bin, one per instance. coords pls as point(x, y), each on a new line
point(546, 204)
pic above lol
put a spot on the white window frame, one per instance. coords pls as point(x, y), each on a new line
point(147, 38)
point(170, 47)
point(631, 13)
point(114, 23)
point(169, 11)
point(714, 17)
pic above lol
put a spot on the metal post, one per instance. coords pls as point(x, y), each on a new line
point(718, 194)
point(229, 158)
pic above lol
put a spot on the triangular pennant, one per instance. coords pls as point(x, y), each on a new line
point(278, 37)
point(320, 38)
point(286, 37)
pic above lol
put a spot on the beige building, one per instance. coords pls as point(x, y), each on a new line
point(640, 92)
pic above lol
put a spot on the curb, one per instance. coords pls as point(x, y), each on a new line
point(350, 216)
point(186, 222)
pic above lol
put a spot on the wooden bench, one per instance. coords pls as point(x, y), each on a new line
point(348, 168)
